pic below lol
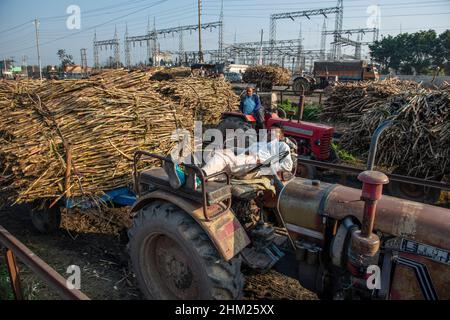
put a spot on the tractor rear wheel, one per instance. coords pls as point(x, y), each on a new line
point(306, 171)
point(297, 86)
point(233, 123)
point(412, 192)
point(173, 258)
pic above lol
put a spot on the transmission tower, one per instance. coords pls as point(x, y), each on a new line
point(337, 47)
point(155, 52)
point(112, 44)
point(220, 57)
point(83, 60)
point(341, 40)
point(116, 49)
point(299, 14)
point(358, 47)
point(149, 49)
point(323, 41)
point(153, 35)
point(299, 66)
point(180, 46)
point(96, 55)
point(127, 49)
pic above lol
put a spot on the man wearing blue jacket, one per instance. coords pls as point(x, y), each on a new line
point(251, 104)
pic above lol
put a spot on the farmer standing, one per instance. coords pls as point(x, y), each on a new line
point(251, 105)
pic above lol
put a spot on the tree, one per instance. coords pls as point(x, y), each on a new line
point(421, 44)
point(66, 59)
point(442, 52)
point(421, 52)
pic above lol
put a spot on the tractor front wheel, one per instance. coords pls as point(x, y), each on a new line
point(173, 258)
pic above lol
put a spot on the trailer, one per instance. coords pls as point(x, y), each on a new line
point(326, 73)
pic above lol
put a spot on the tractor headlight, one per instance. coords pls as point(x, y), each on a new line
point(318, 142)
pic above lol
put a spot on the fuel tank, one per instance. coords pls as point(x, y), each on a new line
point(303, 204)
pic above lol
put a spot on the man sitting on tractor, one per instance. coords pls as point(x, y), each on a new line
point(251, 104)
point(269, 157)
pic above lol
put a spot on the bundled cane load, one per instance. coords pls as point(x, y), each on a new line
point(348, 100)
point(93, 127)
point(265, 77)
point(417, 143)
point(171, 73)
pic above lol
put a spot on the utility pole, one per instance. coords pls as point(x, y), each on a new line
point(221, 55)
point(83, 60)
point(260, 61)
point(36, 25)
point(25, 64)
point(200, 53)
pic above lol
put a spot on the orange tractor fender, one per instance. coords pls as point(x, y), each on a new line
point(245, 117)
point(225, 231)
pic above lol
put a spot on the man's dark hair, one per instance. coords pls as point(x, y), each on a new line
point(278, 125)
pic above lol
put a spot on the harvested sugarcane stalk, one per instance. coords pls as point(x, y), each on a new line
point(265, 77)
point(418, 143)
point(104, 119)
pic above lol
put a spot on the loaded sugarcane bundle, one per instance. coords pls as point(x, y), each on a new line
point(100, 122)
point(418, 142)
point(346, 101)
point(208, 98)
point(171, 73)
point(267, 76)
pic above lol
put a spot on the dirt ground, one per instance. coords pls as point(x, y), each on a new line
point(97, 244)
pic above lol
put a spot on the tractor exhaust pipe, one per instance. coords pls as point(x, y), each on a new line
point(365, 244)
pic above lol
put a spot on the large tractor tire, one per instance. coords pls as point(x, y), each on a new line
point(233, 123)
point(173, 258)
point(412, 192)
point(297, 86)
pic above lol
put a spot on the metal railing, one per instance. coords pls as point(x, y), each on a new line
point(15, 248)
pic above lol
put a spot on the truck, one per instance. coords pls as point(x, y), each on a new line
point(327, 72)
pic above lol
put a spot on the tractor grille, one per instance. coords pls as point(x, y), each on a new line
point(325, 146)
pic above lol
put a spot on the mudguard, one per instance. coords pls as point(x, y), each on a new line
point(225, 231)
point(245, 117)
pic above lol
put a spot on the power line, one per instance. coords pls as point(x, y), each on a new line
point(93, 27)
point(353, 17)
point(15, 27)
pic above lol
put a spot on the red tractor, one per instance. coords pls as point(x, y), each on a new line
point(316, 155)
point(313, 139)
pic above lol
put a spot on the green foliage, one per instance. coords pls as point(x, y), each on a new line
point(6, 292)
point(311, 111)
point(422, 52)
point(66, 59)
point(342, 154)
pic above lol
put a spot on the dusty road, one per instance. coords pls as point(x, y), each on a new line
point(97, 244)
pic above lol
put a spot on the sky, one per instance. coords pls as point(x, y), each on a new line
point(243, 21)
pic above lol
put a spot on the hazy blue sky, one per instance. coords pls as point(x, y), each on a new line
point(243, 18)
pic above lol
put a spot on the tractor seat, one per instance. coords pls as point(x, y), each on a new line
point(216, 192)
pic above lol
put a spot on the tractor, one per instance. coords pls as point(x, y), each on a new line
point(337, 241)
point(317, 157)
